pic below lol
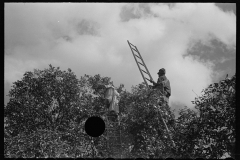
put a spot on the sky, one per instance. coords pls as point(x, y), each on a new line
point(194, 42)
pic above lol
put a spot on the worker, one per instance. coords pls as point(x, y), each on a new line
point(162, 85)
point(112, 96)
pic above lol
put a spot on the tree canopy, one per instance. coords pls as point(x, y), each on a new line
point(48, 108)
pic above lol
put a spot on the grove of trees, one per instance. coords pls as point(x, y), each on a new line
point(47, 110)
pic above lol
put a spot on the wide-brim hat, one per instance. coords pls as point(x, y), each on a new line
point(162, 70)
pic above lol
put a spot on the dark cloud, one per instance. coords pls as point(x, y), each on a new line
point(86, 27)
point(227, 7)
point(67, 38)
point(223, 57)
point(134, 11)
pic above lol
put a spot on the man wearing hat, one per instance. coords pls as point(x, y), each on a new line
point(162, 85)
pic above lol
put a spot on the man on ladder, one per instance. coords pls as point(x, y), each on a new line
point(162, 86)
point(113, 131)
point(112, 96)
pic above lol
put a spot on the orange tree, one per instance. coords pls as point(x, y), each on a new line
point(210, 133)
point(47, 110)
point(207, 132)
point(144, 133)
point(46, 113)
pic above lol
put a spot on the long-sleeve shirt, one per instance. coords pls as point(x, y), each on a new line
point(163, 83)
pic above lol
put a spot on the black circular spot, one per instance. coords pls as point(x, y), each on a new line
point(94, 126)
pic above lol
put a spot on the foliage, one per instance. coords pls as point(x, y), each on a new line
point(54, 101)
point(212, 133)
point(47, 110)
point(145, 129)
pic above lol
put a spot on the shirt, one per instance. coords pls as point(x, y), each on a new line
point(163, 83)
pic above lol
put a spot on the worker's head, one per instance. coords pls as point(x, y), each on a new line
point(161, 72)
point(109, 86)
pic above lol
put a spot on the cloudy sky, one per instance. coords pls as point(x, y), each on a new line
point(194, 42)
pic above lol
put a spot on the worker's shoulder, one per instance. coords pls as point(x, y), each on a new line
point(167, 79)
point(163, 78)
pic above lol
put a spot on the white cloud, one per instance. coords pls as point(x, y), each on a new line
point(201, 19)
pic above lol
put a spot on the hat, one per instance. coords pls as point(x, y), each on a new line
point(109, 86)
point(162, 70)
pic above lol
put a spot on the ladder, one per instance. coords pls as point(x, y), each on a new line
point(134, 51)
point(114, 141)
point(139, 57)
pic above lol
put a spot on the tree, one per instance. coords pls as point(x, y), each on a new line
point(145, 133)
point(212, 133)
point(48, 108)
point(42, 99)
point(208, 132)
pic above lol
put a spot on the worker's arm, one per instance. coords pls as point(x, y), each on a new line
point(154, 83)
point(167, 88)
point(116, 93)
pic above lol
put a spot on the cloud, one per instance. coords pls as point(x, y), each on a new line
point(91, 38)
point(201, 20)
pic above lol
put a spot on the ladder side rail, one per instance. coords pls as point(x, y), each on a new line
point(139, 67)
point(145, 71)
point(148, 86)
point(166, 128)
point(131, 44)
point(144, 64)
point(107, 132)
point(120, 139)
point(114, 136)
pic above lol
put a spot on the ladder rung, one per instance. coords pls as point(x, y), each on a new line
point(145, 72)
point(116, 138)
point(114, 134)
point(134, 49)
point(112, 126)
point(137, 56)
point(113, 123)
point(148, 79)
point(141, 64)
point(116, 145)
point(112, 129)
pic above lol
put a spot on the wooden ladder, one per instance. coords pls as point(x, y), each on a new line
point(137, 56)
point(114, 141)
